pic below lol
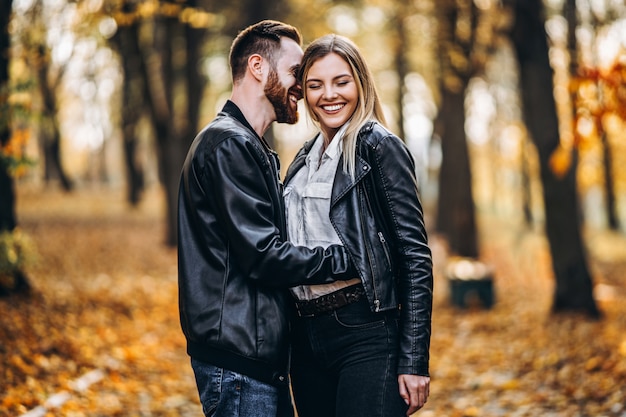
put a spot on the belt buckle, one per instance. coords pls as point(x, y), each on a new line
point(302, 315)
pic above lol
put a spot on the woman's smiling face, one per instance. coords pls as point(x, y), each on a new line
point(331, 92)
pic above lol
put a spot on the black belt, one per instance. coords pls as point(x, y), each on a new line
point(330, 302)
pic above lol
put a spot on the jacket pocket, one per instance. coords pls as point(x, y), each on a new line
point(385, 246)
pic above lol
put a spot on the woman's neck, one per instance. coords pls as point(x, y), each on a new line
point(328, 134)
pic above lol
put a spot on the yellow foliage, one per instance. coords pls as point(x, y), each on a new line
point(124, 19)
point(511, 384)
point(21, 98)
point(16, 251)
point(147, 9)
point(199, 19)
point(13, 153)
point(16, 145)
point(471, 412)
point(561, 161)
point(593, 364)
point(170, 9)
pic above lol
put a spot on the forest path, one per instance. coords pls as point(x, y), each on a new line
point(100, 335)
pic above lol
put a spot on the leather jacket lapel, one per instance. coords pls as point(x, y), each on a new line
point(344, 183)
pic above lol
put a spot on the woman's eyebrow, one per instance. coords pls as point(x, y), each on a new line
point(334, 78)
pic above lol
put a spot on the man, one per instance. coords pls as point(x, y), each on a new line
point(234, 262)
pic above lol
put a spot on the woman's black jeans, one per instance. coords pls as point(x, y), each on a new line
point(344, 364)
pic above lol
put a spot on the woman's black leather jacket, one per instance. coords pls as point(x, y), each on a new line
point(378, 217)
point(234, 265)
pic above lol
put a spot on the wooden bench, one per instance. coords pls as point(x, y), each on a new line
point(470, 283)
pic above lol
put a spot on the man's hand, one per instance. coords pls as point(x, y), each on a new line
point(414, 389)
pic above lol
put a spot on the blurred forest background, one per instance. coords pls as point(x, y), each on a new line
point(515, 111)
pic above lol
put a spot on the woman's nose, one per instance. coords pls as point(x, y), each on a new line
point(329, 92)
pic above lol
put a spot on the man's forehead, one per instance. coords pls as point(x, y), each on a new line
point(290, 52)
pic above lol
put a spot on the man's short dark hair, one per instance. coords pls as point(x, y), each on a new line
point(262, 38)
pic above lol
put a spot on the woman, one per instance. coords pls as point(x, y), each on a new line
point(360, 347)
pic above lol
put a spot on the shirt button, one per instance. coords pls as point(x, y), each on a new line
point(281, 378)
point(365, 168)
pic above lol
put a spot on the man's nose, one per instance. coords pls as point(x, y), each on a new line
point(296, 89)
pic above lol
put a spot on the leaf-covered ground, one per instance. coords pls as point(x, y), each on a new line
point(100, 335)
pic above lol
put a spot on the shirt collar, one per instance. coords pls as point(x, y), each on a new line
point(334, 149)
point(234, 111)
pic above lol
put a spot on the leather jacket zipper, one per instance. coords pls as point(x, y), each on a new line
point(369, 256)
point(382, 239)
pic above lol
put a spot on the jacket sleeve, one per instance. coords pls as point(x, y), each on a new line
point(395, 180)
point(241, 182)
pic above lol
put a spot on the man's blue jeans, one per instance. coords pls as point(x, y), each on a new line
point(224, 393)
point(344, 364)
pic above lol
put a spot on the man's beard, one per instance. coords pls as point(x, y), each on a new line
point(279, 97)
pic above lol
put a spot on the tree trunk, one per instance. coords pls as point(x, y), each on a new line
point(7, 202)
point(607, 152)
point(175, 128)
point(134, 90)
point(400, 60)
point(161, 85)
point(8, 220)
point(526, 192)
point(455, 209)
point(257, 10)
point(574, 289)
point(50, 135)
point(609, 184)
point(51, 142)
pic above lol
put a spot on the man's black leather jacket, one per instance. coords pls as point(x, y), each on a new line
point(378, 217)
point(234, 266)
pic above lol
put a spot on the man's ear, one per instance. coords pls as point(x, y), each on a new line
point(255, 66)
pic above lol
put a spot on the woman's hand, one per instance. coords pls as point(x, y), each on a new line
point(414, 389)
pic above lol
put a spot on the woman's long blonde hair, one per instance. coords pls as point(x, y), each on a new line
point(368, 107)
